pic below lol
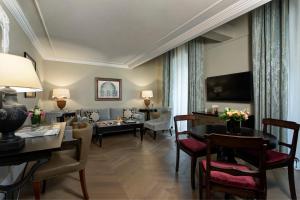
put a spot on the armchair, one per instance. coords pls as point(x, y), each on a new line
point(162, 123)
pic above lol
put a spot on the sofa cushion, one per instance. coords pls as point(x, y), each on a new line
point(104, 113)
point(115, 113)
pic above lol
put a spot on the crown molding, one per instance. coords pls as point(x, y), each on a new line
point(239, 8)
point(161, 46)
point(86, 62)
point(15, 9)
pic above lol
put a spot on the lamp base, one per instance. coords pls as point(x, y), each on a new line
point(10, 142)
point(61, 104)
point(147, 102)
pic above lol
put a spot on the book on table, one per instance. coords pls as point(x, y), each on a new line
point(40, 131)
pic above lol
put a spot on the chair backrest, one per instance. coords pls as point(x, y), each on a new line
point(284, 124)
point(84, 134)
point(238, 142)
point(179, 118)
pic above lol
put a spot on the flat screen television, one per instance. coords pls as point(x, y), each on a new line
point(230, 88)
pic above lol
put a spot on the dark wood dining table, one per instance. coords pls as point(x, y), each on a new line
point(200, 132)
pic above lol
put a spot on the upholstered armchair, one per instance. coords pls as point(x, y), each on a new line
point(66, 161)
point(163, 123)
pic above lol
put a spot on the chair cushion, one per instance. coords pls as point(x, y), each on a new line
point(246, 182)
point(275, 156)
point(192, 145)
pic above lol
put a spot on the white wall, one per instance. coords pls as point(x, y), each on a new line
point(80, 79)
point(231, 56)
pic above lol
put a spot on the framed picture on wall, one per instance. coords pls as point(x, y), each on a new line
point(108, 89)
point(30, 94)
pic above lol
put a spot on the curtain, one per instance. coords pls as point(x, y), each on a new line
point(196, 90)
point(175, 83)
point(167, 90)
point(294, 68)
point(270, 62)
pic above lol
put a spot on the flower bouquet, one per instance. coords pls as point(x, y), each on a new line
point(233, 119)
point(36, 115)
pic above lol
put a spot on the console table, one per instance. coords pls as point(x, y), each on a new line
point(36, 149)
point(147, 111)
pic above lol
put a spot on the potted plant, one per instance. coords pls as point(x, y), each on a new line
point(233, 119)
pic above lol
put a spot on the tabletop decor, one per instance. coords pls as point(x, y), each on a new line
point(147, 94)
point(60, 95)
point(36, 115)
point(17, 75)
point(233, 119)
point(108, 89)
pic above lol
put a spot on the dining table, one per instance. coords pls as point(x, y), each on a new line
point(200, 132)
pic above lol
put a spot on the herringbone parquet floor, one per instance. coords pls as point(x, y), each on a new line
point(125, 168)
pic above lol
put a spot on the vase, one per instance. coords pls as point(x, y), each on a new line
point(35, 120)
point(233, 126)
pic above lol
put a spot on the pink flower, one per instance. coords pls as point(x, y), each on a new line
point(30, 114)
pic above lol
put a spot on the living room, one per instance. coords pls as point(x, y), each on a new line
point(131, 48)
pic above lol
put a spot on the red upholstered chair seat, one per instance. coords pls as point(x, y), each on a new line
point(271, 156)
point(192, 145)
point(275, 156)
point(247, 182)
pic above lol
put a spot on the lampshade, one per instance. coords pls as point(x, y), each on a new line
point(18, 73)
point(147, 93)
point(61, 93)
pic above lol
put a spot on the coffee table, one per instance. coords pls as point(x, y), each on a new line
point(109, 127)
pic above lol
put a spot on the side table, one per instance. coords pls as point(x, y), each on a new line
point(147, 111)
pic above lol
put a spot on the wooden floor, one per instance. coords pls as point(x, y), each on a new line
point(125, 168)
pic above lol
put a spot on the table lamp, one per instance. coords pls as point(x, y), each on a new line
point(147, 94)
point(17, 74)
point(61, 94)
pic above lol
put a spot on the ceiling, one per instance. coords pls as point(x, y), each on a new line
point(119, 33)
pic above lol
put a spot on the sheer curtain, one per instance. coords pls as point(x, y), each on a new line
point(179, 81)
point(294, 68)
point(175, 82)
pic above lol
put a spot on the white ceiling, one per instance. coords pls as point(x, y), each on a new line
point(119, 33)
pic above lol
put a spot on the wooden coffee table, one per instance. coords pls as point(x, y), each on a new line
point(110, 127)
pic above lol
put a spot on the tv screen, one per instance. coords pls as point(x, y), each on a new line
point(231, 88)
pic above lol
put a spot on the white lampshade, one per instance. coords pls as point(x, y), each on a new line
point(18, 73)
point(61, 93)
point(147, 94)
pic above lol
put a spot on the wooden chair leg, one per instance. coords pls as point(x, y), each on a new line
point(154, 135)
point(200, 182)
point(44, 186)
point(193, 168)
point(37, 190)
point(170, 130)
point(292, 181)
point(83, 184)
point(177, 158)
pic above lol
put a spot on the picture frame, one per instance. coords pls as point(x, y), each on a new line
point(30, 94)
point(108, 89)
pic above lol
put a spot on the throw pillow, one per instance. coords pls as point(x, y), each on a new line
point(94, 116)
point(127, 113)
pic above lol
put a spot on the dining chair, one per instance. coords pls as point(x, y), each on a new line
point(274, 158)
point(66, 161)
point(277, 159)
point(233, 178)
point(193, 147)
